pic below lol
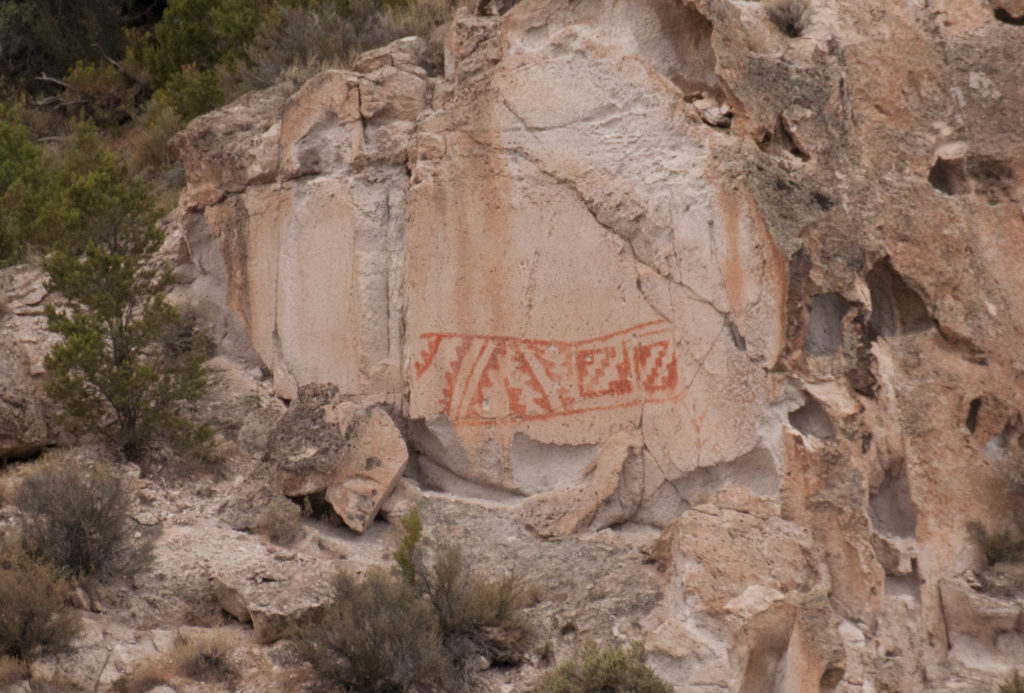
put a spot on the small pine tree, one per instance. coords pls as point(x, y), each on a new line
point(405, 554)
point(125, 352)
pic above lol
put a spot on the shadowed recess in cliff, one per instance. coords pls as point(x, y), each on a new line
point(1004, 16)
point(681, 49)
point(972, 414)
point(782, 141)
point(896, 309)
point(812, 420)
point(537, 466)
point(891, 509)
point(766, 665)
point(755, 470)
point(993, 179)
point(904, 585)
point(949, 176)
point(825, 324)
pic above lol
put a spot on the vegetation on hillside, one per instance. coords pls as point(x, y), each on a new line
point(80, 81)
point(138, 70)
point(427, 623)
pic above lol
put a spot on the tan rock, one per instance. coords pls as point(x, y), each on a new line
point(969, 612)
point(370, 466)
point(586, 506)
point(353, 455)
point(272, 595)
point(225, 151)
point(791, 335)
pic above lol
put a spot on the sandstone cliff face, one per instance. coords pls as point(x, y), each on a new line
point(657, 262)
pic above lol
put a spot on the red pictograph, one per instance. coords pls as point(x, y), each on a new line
point(490, 379)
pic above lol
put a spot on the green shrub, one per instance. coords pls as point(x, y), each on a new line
point(996, 547)
point(1000, 547)
point(32, 614)
point(23, 186)
point(464, 600)
point(102, 93)
point(199, 33)
point(456, 616)
point(296, 42)
point(49, 36)
point(205, 658)
point(77, 519)
point(192, 92)
point(610, 669)
point(412, 531)
point(479, 617)
point(790, 16)
point(113, 371)
point(148, 142)
point(376, 635)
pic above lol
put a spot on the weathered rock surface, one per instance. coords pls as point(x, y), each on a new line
point(352, 455)
point(659, 262)
point(273, 594)
point(25, 425)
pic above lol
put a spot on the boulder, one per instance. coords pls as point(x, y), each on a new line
point(352, 455)
point(273, 595)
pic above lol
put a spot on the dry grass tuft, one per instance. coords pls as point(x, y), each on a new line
point(199, 656)
point(12, 670)
point(77, 519)
point(33, 619)
point(790, 16)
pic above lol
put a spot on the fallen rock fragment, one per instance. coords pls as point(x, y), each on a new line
point(353, 455)
point(271, 594)
point(609, 493)
point(264, 511)
point(370, 467)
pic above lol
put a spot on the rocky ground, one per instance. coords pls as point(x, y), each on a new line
point(207, 580)
point(730, 303)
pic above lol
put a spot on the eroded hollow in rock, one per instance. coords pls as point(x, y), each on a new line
point(949, 176)
point(994, 179)
point(812, 420)
point(538, 466)
point(782, 141)
point(1004, 16)
point(904, 585)
point(972, 414)
point(755, 470)
point(22, 453)
point(890, 507)
point(825, 324)
point(766, 665)
point(831, 678)
point(317, 507)
point(681, 48)
point(896, 309)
